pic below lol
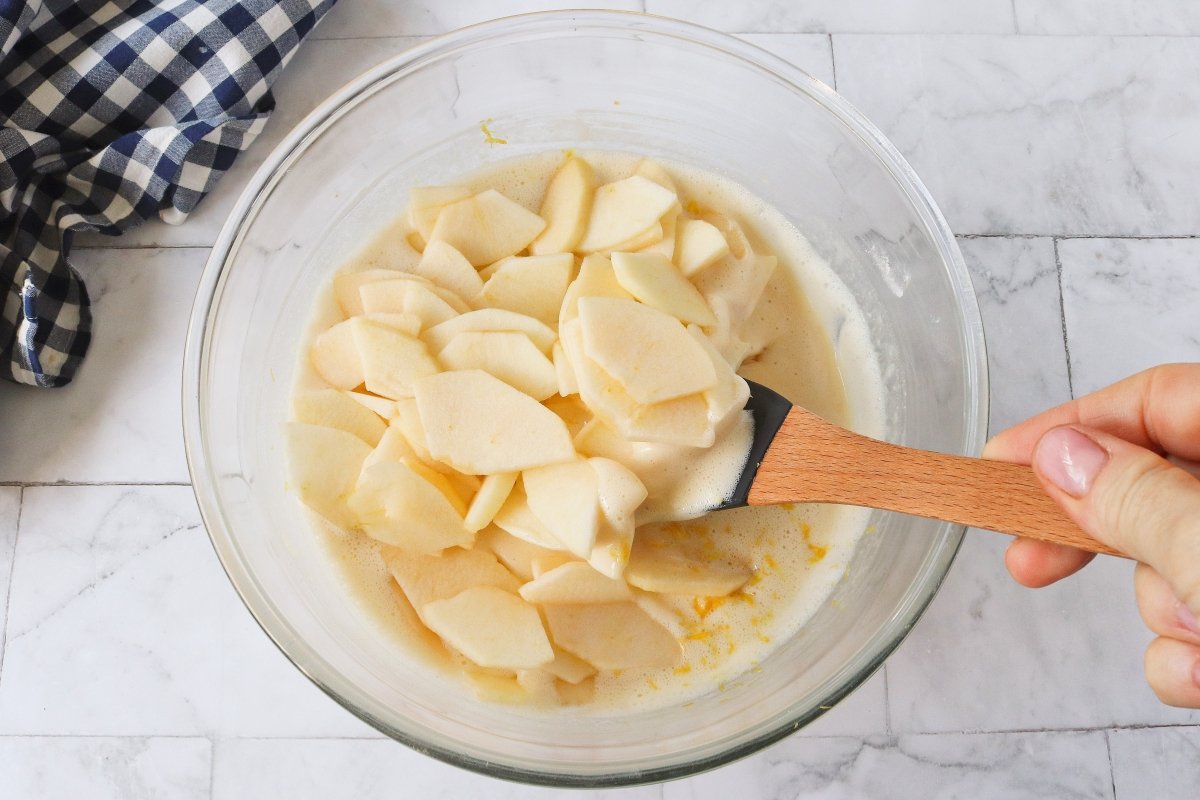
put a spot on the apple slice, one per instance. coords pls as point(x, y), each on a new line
point(665, 570)
point(515, 518)
point(530, 285)
point(397, 506)
point(647, 238)
point(612, 635)
point(569, 668)
point(426, 202)
point(731, 392)
point(449, 484)
point(489, 499)
point(652, 170)
point(405, 323)
point(595, 279)
point(564, 373)
point(384, 408)
point(508, 355)
point(490, 319)
point(448, 268)
point(544, 564)
point(335, 409)
point(323, 465)
point(516, 554)
point(649, 353)
point(654, 280)
point(334, 355)
point(417, 300)
point(624, 209)
point(575, 582)
point(426, 579)
point(698, 245)
point(480, 425)
point(392, 446)
point(576, 694)
point(346, 286)
point(391, 360)
point(682, 421)
point(565, 207)
point(670, 227)
point(492, 627)
point(621, 493)
point(486, 227)
point(565, 498)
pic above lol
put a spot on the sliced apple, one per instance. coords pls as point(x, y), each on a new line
point(682, 421)
point(346, 286)
point(391, 360)
point(428, 578)
point(397, 506)
point(665, 246)
point(571, 411)
point(698, 245)
point(740, 284)
point(492, 627)
point(543, 564)
point(490, 319)
point(516, 519)
point(576, 694)
point(515, 553)
point(564, 373)
point(575, 582)
point(418, 300)
point(486, 227)
point(480, 425)
point(621, 493)
point(335, 409)
point(565, 498)
point(405, 323)
point(448, 268)
point(507, 355)
point(569, 668)
point(565, 207)
point(649, 352)
point(666, 570)
point(455, 492)
point(530, 285)
point(652, 170)
point(392, 446)
point(381, 406)
point(730, 392)
point(654, 280)
point(595, 279)
point(646, 239)
point(426, 202)
point(323, 466)
point(612, 635)
point(334, 355)
point(489, 499)
point(408, 422)
point(622, 210)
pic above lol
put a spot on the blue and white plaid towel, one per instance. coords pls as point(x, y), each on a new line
point(111, 113)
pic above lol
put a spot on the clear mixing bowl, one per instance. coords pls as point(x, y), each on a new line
point(602, 81)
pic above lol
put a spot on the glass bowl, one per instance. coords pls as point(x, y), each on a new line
point(603, 81)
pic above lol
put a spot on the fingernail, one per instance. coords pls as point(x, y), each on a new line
point(1070, 460)
point(1186, 619)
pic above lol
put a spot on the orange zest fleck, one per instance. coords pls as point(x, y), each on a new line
point(487, 133)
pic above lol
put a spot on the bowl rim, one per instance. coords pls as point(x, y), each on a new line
point(932, 571)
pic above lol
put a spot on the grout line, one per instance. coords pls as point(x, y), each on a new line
point(1105, 35)
point(1062, 315)
point(1070, 236)
point(212, 765)
point(1187, 726)
point(832, 61)
point(42, 484)
point(887, 702)
point(115, 246)
point(1112, 772)
point(8, 590)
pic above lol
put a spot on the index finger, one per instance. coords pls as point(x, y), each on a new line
point(1158, 409)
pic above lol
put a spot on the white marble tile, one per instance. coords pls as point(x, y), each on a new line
point(1016, 282)
point(10, 512)
point(834, 16)
point(339, 769)
point(371, 18)
point(121, 622)
point(811, 52)
point(101, 768)
point(1039, 135)
point(1064, 766)
point(991, 655)
point(863, 713)
point(1130, 304)
point(1162, 763)
point(119, 419)
point(1115, 17)
point(318, 69)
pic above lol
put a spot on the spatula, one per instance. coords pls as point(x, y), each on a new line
point(798, 457)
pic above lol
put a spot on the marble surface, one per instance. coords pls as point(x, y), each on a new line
point(1057, 136)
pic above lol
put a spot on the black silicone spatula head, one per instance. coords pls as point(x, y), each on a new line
point(768, 408)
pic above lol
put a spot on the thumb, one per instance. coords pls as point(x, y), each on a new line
point(1127, 497)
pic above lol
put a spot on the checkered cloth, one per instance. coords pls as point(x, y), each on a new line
point(111, 113)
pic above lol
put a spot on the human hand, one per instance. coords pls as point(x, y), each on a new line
point(1122, 463)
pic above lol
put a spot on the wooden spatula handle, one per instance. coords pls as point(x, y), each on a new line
point(813, 461)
